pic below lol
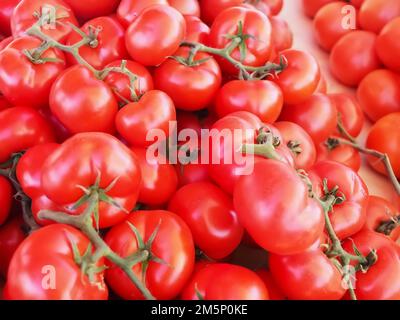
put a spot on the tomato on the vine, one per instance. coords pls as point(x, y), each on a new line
point(196, 30)
point(6, 10)
point(6, 193)
point(341, 153)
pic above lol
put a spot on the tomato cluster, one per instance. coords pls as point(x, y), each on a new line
point(89, 206)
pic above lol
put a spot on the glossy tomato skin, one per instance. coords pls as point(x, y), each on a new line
point(151, 49)
point(210, 9)
point(300, 78)
point(343, 154)
point(222, 281)
point(110, 44)
point(311, 7)
point(262, 98)
point(90, 9)
point(129, 10)
point(191, 173)
point(379, 94)
point(51, 247)
point(23, 18)
point(6, 10)
point(275, 6)
point(159, 180)
point(282, 36)
point(353, 57)
point(287, 229)
point(384, 136)
point(4, 103)
point(186, 7)
point(309, 275)
point(23, 82)
point(274, 292)
point(190, 87)
point(99, 153)
point(6, 194)
point(173, 244)
point(20, 129)
point(154, 110)
point(388, 47)
point(82, 102)
point(255, 24)
point(374, 14)
point(209, 213)
point(196, 30)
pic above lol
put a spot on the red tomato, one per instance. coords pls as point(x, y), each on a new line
point(212, 220)
point(309, 275)
point(6, 197)
point(6, 10)
point(152, 48)
point(154, 110)
point(347, 217)
point(300, 78)
point(353, 57)
point(23, 82)
point(90, 9)
point(299, 142)
point(317, 116)
point(60, 131)
point(23, 18)
point(210, 9)
point(186, 7)
point(5, 42)
point(281, 229)
point(311, 7)
point(196, 30)
point(379, 94)
point(190, 87)
point(388, 46)
point(343, 154)
point(191, 173)
point(275, 6)
point(80, 160)
point(262, 98)
point(159, 180)
point(222, 281)
point(82, 102)
point(282, 36)
point(173, 244)
point(357, 3)
point(20, 129)
point(48, 253)
point(385, 137)
point(274, 292)
point(374, 14)
point(129, 10)
point(254, 23)
point(4, 103)
point(108, 46)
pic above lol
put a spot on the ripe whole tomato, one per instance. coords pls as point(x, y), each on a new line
point(388, 46)
point(342, 153)
point(210, 9)
point(196, 30)
point(129, 10)
point(282, 36)
point(6, 10)
point(90, 9)
point(186, 7)
point(374, 14)
point(6, 194)
point(173, 244)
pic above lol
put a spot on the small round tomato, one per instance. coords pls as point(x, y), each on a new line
point(90, 9)
point(282, 36)
point(109, 44)
point(353, 57)
point(341, 153)
point(196, 30)
point(300, 78)
point(24, 82)
point(311, 7)
point(20, 129)
point(48, 253)
point(384, 136)
point(210, 9)
point(173, 244)
point(6, 194)
point(379, 94)
point(6, 10)
point(388, 46)
point(222, 281)
point(274, 292)
point(191, 87)
point(213, 222)
point(186, 7)
point(260, 97)
point(152, 48)
point(129, 10)
point(374, 14)
point(82, 102)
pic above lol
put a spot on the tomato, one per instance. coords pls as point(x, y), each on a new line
point(90, 9)
point(274, 292)
point(11, 235)
point(110, 44)
point(353, 57)
point(299, 142)
point(23, 82)
point(213, 222)
point(191, 173)
point(210, 9)
point(82, 102)
point(48, 253)
point(159, 180)
point(173, 244)
point(300, 78)
point(6, 10)
point(154, 110)
point(309, 275)
point(374, 14)
point(186, 7)
point(196, 30)
point(254, 23)
point(29, 168)
point(349, 112)
point(262, 98)
point(190, 87)
point(328, 24)
point(317, 116)
point(129, 10)
point(60, 131)
point(23, 18)
point(152, 48)
point(388, 47)
point(222, 281)
point(282, 36)
point(384, 136)
point(342, 153)
point(6, 197)
point(275, 6)
point(5, 42)
point(81, 160)
point(287, 229)
point(20, 129)
point(311, 7)
point(382, 280)
point(357, 3)
point(379, 94)
point(4, 104)
point(347, 217)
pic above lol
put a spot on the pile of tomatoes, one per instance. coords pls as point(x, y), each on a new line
point(84, 213)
